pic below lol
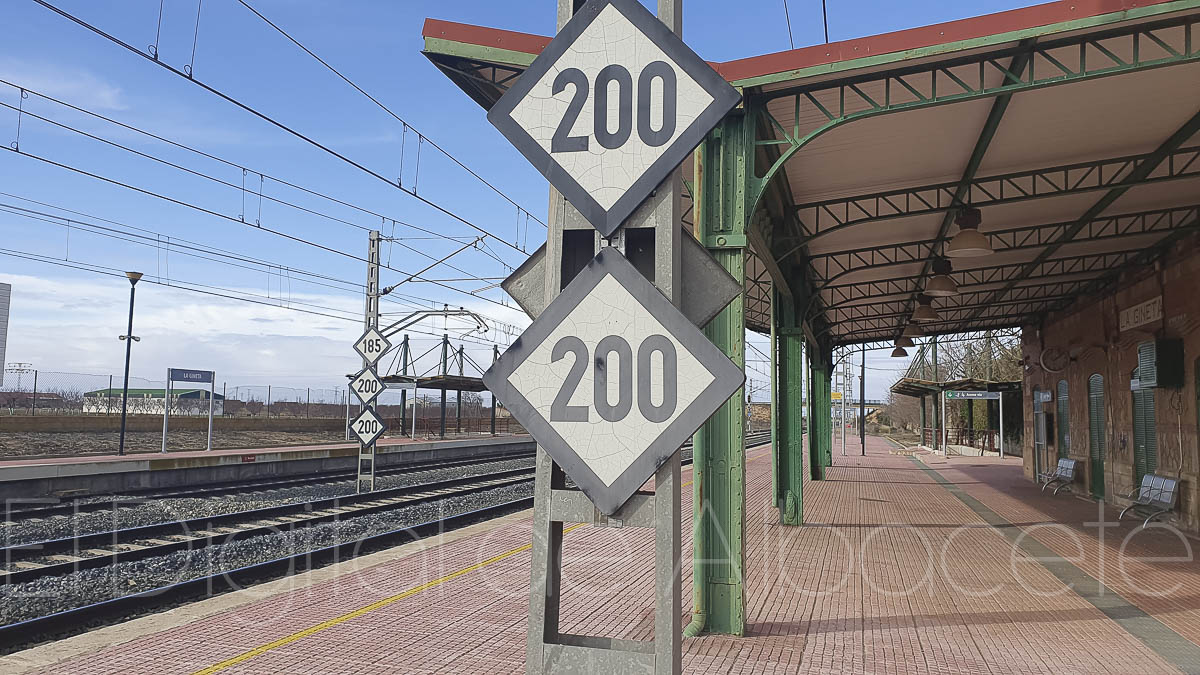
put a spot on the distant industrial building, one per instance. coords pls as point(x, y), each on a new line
point(5, 294)
point(150, 401)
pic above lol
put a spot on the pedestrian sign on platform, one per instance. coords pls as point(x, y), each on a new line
point(612, 105)
point(974, 395)
point(612, 379)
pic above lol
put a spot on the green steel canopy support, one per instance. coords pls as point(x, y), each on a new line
point(820, 437)
point(723, 169)
point(787, 350)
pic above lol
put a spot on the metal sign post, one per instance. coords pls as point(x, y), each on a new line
point(185, 375)
point(366, 385)
point(611, 378)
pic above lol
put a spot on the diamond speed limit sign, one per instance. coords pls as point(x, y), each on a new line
point(372, 345)
point(613, 104)
point(612, 379)
point(367, 385)
point(367, 427)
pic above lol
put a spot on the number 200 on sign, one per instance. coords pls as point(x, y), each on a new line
point(562, 411)
point(620, 76)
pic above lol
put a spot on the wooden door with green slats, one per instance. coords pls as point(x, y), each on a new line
point(1097, 433)
point(1064, 425)
point(1145, 432)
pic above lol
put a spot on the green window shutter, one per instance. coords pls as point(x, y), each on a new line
point(1096, 432)
point(1064, 417)
point(1145, 430)
point(1147, 366)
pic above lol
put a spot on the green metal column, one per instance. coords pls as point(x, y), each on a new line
point(788, 418)
point(820, 437)
point(719, 458)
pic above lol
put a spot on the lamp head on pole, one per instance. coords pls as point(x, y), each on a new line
point(969, 242)
point(940, 285)
point(133, 277)
point(925, 310)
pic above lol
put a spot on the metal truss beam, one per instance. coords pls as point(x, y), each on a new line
point(1069, 59)
point(846, 348)
point(900, 307)
point(979, 276)
point(868, 333)
point(835, 265)
point(822, 218)
point(1135, 176)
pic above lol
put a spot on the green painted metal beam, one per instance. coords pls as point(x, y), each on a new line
point(788, 419)
point(820, 436)
point(723, 166)
point(1136, 175)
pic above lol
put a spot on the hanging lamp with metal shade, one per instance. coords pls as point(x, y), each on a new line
point(912, 330)
point(925, 310)
point(905, 341)
point(940, 285)
point(899, 352)
point(969, 242)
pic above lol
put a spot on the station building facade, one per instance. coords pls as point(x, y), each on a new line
point(1113, 383)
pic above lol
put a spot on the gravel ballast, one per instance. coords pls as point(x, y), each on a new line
point(138, 511)
point(20, 602)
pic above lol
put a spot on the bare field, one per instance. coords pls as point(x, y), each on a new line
point(74, 444)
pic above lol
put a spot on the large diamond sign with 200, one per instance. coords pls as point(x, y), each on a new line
point(611, 107)
point(611, 379)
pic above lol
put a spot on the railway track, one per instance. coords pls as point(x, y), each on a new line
point(68, 508)
point(63, 556)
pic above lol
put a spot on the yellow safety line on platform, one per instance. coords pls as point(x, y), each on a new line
point(379, 604)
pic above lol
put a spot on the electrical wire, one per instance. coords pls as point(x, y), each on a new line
point(388, 110)
point(210, 212)
point(266, 118)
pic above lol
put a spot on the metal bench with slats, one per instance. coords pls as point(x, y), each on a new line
point(1156, 496)
point(1062, 477)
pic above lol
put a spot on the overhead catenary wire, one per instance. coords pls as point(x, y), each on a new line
point(117, 273)
point(210, 212)
point(274, 122)
point(388, 110)
point(235, 165)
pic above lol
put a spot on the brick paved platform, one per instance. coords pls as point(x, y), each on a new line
point(906, 565)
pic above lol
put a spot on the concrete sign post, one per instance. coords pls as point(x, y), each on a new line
point(184, 375)
point(612, 377)
point(982, 396)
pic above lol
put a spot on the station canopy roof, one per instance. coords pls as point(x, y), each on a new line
point(916, 387)
point(440, 382)
point(1073, 127)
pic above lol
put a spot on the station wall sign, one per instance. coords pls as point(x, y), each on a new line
point(187, 375)
point(612, 379)
point(613, 104)
point(975, 395)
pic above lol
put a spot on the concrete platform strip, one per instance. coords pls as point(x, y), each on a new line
point(1170, 645)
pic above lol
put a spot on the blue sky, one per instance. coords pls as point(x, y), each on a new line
point(67, 320)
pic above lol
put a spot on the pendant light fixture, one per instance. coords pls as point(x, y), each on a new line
point(940, 285)
point(905, 341)
point(969, 242)
point(912, 330)
point(899, 352)
point(925, 310)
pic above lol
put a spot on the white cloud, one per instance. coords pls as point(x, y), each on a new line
point(64, 324)
point(75, 85)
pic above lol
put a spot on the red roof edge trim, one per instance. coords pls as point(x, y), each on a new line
point(816, 55)
point(926, 36)
point(484, 37)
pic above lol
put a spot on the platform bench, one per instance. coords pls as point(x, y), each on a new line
point(1156, 496)
point(1062, 477)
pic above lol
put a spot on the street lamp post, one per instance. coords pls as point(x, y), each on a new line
point(129, 339)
